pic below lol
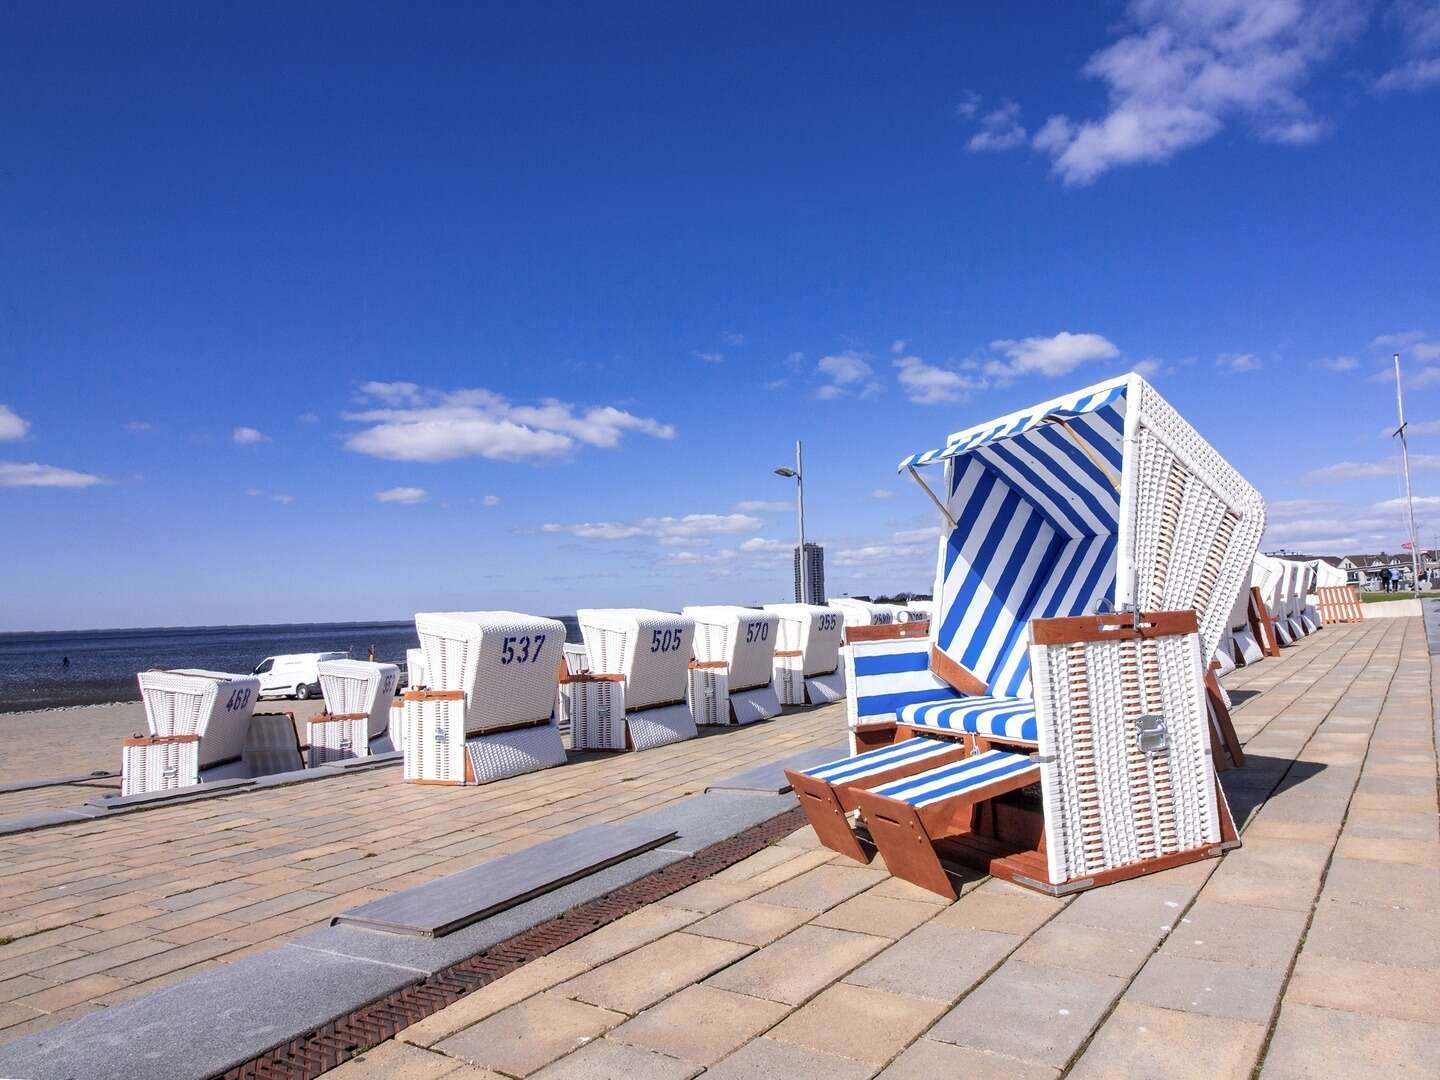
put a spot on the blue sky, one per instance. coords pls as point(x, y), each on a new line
point(347, 314)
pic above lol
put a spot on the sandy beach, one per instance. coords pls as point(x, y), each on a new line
point(49, 743)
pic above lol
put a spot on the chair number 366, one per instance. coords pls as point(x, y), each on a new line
point(521, 650)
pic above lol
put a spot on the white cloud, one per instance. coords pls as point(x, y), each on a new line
point(284, 500)
point(1058, 355)
point(1418, 22)
point(898, 346)
point(1417, 427)
point(968, 105)
point(490, 500)
point(1000, 129)
point(33, 474)
point(1187, 67)
point(308, 418)
point(664, 529)
point(881, 553)
point(1371, 470)
point(1337, 528)
point(758, 544)
point(406, 495)
point(391, 393)
point(12, 427)
point(435, 426)
point(927, 384)
point(1338, 363)
point(849, 373)
point(254, 492)
point(1399, 340)
point(1237, 362)
point(248, 436)
point(764, 506)
point(1150, 367)
point(882, 493)
point(730, 337)
point(139, 425)
point(709, 357)
point(910, 536)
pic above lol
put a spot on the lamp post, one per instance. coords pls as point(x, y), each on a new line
point(799, 474)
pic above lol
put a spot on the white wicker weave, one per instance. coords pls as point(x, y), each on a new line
point(507, 663)
point(415, 669)
point(434, 739)
point(790, 677)
point(360, 686)
point(214, 705)
point(397, 724)
point(151, 765)
point(595, 711)
point(502, 754)
point(709, 695)
point(742, 637)
point(1107, 802)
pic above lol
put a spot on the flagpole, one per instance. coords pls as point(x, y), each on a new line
point(1405, 464)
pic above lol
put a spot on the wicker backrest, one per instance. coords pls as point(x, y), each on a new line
point(215, 705)
point(651, 649)
point(814, 631)
point(744, 638)
point(359, 686)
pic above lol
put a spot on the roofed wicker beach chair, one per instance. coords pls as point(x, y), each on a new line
point(807, 654)
point(489, 710)
point(631, 693)
point(1103, 500)
point(415, 669)
point(863, 612)
point(1270, 578)
point(1239, 633)
point(199, 722)
point(914, 611)
point(732, 677)
point(356, 721)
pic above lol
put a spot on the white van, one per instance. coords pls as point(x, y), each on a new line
point(296, 675)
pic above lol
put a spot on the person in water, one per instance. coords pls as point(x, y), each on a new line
point(65, 662)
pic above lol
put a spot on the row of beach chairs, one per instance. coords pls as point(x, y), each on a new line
point(491, 692)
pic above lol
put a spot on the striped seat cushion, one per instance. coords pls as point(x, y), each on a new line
point(960, 778)
point(848, 770)
point(1011, 719)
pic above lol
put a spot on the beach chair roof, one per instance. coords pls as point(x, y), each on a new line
point(1088, 502)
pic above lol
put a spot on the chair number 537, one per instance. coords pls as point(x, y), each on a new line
point(521, 650)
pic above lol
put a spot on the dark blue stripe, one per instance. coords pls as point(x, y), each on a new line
point(1000, 596)
point(1086, 467)
point(1048, 563)
point(1107, 447)
point(1027, 477)
point(965, 522)
point(892, 663)
point(878, 704)
point(974, 573)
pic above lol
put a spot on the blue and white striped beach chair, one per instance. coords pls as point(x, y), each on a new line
point(1102, 500)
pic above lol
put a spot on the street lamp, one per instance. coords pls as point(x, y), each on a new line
point(799, 474)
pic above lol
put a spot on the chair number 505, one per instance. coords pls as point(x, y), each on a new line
point(521, 650)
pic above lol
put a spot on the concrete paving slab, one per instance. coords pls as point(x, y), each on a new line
point(799, 965)
point(207, 1024)
point(1402, 993)
point(937, 962)
point(1030, 1011)
point(653, 972)
point(526, 1037)
point(1237, 933)
point(1229, 991)
point(701, 1024)
point(766, 1059)
point(927, 1059)
point(400, 1061)
point(450, 903)
point(1143, 1041)
point(607, 1060)
point(749, 922)
point(1311, 1042)
point(857, 1022)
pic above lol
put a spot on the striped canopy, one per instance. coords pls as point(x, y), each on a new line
point(1036, 504)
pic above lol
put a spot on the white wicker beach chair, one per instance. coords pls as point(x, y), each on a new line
point(1244, 648)
point(863, 612)
point(505, 668)
point(1270, 576)
point(1127, 783)
point(1101, 500)
point(633, 695)
point(198, 722)
point(743, 639)
point(914, 611)
point(356, 721)
point(807, 654)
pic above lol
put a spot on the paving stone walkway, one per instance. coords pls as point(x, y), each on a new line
point(1312, 951)
point(100, 912)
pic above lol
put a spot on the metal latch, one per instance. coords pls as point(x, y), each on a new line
point(1154, 736)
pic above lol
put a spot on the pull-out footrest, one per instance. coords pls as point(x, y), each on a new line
point(906, 817)
point(826, 792)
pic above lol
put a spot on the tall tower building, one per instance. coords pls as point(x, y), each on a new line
point(812, 569)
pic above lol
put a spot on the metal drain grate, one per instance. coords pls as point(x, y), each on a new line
point(340, 1040)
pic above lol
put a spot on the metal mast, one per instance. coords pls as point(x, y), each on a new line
point(1405, 465)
